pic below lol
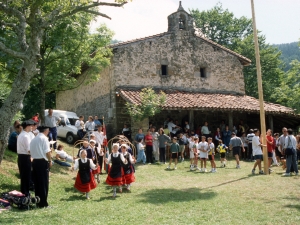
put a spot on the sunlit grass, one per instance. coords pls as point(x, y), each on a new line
point(161, 196)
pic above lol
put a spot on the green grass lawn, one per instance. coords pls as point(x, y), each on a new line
point(160, 196)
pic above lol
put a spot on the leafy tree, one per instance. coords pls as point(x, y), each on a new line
point(24, 23)
point(290, 52)
point(288, 93)
point(149, 106)
point(223, 27)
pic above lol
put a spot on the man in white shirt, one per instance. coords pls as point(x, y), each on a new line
point(41, 154)
point(204, 130)
point(79, 124)
point(51, 122)
point(291, 160)
point(99, 135)
point(24, 162)
point(256, 151)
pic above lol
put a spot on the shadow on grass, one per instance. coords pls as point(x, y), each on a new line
point(161, 196)
point(9, 186)
point(229, 182)
point(74, 197)
point(292, 200)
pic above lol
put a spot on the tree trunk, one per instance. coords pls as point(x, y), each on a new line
point(42, 88)
point(13, 102)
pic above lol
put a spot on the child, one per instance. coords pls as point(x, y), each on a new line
point(192, 155)
point(141, 152)
point(203, 147)
point(95, 151)
point(181, 146)
point(128, 168)
point(85, 181)
point(115, 174)
point(174, 148)
point(211, 154)
point(222, 149)
point(196, 152)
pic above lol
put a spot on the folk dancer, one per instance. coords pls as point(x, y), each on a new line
point(85, 181)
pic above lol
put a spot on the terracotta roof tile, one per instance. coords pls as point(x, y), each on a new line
point(203, 101)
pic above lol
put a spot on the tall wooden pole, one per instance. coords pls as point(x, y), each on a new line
point(260, 93)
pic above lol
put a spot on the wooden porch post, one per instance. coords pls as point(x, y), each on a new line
point(271, 125)
point(230, 120)
point(191, 119)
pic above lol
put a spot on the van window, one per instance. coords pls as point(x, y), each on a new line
point(72, 121)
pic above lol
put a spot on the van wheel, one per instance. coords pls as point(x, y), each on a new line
point(70, 138)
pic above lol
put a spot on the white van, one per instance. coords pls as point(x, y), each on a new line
point(66, 128)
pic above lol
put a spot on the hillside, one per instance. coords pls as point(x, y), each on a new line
point(290, 51)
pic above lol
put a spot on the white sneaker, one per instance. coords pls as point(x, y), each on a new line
point(253, 171)
point(168, 167)
point(199, 169)
point(238, 167)
point(175, 168)
point(213, 171)
point(286, 174)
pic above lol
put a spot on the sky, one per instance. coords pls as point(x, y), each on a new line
point(278, 20)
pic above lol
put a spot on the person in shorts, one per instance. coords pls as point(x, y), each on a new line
point(222, 149)
point(203, 148)
point(211, 154)
point(257, 152)
point(174, 148)
point(192, 155)
point(235, 145)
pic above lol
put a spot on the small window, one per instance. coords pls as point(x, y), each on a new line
point(164, 70)
point(202, 72)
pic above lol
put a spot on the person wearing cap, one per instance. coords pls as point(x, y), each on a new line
point(235, 145)
point(115, 174)
point(24, 161)
point(51, 122)
point(85, 181)
point(41, 164)
point(34, 130)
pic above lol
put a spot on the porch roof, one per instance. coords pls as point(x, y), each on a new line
point(184, 100)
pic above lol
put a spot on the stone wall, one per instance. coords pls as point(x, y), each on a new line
point(90, 100)
point(138, 64)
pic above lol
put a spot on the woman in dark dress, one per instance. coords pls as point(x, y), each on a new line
point(128, 168)
point(115, 173)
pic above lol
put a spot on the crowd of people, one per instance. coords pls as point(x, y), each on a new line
point(244, 143)
point(170, 141)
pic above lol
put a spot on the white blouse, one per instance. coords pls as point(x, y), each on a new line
point(130, 157)
point(92, 165)
point(115, 155)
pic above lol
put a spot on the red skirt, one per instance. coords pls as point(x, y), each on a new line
point(115, 181)
point(85, 187)
point(129, 178)
point(97, 171)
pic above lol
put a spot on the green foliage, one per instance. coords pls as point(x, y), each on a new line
point(289, 52)
point(288, 93)
point(223, 27)
point(150, 105)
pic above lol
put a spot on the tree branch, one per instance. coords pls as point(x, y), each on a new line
point(97, 13)
point(54, 16)
point(12, 25)
point(13, 12)
point(12, 52)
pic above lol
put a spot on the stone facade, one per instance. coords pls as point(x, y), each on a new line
point(190, 62)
